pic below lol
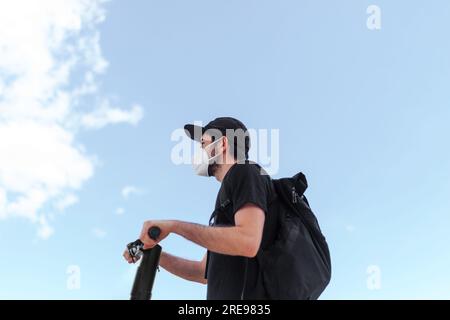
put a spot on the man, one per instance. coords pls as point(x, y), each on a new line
point(235, 234)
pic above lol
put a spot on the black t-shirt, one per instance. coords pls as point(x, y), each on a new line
point(243, 184)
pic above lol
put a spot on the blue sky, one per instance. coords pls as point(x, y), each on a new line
point(363, 113)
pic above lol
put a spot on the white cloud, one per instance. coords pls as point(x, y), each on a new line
point(67, 201)
point(43, 45)
point(2, 203)
point(120, 211)
point(44, 230)
point(108, 115)
point(129, 190)
point(99, 233)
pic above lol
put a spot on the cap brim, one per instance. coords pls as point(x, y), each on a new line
point(194, 132)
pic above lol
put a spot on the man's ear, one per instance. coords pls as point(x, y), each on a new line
point(225, 144)
point(226, 149)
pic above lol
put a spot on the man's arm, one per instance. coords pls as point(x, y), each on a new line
point(243, 239)
point(186, 269)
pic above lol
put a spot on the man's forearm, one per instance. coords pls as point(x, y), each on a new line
point(225, 240)
point(186, 269)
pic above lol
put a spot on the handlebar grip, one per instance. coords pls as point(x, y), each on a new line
point(154, 233)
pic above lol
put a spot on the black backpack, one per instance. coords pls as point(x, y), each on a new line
point(297, 264)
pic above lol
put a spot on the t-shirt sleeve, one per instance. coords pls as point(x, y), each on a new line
point(248, 185)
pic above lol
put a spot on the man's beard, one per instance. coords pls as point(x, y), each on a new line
point(212, 169)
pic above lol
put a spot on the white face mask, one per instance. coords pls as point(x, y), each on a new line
point(202, 161)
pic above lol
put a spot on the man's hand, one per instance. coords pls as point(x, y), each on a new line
point(127, 257)
point(166, 227)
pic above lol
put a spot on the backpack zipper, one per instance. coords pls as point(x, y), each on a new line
point(294, 195)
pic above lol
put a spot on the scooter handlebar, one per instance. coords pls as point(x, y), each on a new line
point(154, 233)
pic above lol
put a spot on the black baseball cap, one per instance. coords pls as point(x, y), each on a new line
point(221, 124)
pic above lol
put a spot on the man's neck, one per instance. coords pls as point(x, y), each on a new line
point(223, 170)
